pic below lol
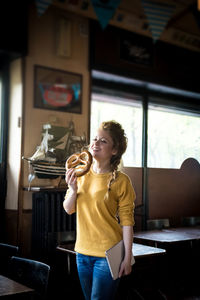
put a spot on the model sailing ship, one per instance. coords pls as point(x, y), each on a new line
point(57, 144)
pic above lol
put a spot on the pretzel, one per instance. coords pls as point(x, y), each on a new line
point(81, 162)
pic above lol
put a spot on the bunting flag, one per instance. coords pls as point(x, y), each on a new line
point(42, 6)
point(158, 15)
point(104, 10)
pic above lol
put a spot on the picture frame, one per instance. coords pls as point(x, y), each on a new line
point(57, 90)
point(136, 50)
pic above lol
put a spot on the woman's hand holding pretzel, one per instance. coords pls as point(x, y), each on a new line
point(80, 162)
point(77, 164)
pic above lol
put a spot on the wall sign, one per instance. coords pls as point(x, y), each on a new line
point(133, 49)
point(57, 90)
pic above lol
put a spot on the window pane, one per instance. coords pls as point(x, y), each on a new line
point(173, 136)
point(129, 114)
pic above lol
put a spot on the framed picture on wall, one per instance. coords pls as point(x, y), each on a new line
point(57, 90)
point(136, 49)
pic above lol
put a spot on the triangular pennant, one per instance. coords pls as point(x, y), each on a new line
point(104, 10)
point(42, 6)
point(158, 15)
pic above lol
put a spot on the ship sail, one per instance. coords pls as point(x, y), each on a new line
point(57, 144)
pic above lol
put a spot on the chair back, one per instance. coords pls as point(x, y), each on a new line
point(6, 252)
point(191, 221)
point(157, 224)
point(61, 237)
point(32, 273)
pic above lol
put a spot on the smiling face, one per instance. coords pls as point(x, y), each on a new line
point(101, 147)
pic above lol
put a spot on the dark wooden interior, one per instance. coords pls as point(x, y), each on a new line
point(161, 193)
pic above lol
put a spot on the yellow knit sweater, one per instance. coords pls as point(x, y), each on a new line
point(98, 227)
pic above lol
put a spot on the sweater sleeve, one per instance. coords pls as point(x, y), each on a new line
point(126, 202)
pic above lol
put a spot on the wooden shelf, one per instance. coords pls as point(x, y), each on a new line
point(44, 188)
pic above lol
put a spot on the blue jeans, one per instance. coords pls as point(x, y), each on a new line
point(95, 278)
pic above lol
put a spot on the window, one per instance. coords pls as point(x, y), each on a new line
point(128, 112)
point(171, 119)
point(173, 136)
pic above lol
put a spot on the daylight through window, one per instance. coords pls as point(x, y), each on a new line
point(173, 136)
point(129, 114)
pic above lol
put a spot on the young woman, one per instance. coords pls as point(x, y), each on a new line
point(103, 200)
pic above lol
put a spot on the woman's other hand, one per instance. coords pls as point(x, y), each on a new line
point(125, 268)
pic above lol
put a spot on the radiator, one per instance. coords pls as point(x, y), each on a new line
point(49, 220)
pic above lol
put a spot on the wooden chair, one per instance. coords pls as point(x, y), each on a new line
point(157, 224)
point(6, 252)
point(32, 273)
point(58, 238)
point(190, 221)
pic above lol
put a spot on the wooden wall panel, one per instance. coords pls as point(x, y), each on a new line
point(42, 51)
point(163, 66)
point(171, 193)
point(174, 193)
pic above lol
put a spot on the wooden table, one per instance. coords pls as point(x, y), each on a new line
point(182, 255)
point(9, 287)
point(193, 232)
point(170, 235)
point(139, 251)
